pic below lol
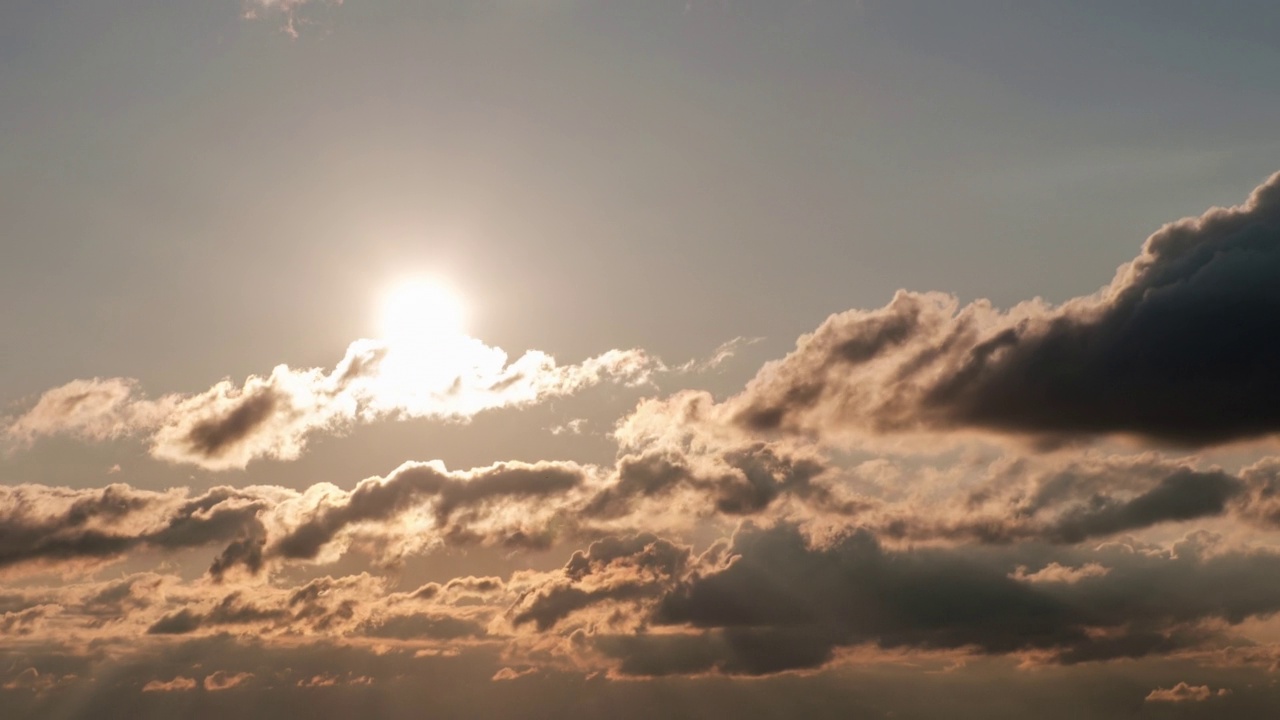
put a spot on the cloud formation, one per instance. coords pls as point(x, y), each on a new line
point(775, 600)
point(229, 425)
point(1179, 348)
point(1182, 692)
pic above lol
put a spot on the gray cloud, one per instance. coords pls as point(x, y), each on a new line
point(785, 602)
point(1179, 348)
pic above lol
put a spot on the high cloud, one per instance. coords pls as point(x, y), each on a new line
point(290, 13)
point(1179, 348)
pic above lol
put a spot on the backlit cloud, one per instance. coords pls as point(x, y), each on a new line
point(1178, 348)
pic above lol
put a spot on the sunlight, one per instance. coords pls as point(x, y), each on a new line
point(421, 312)
point(422, 324)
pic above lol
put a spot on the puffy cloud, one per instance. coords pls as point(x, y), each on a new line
point(375, 500)
point(178, 684)
point(98, 409)
point(1179, 348)
point(1056, 573)
point(272, 416)
point(49, 525)
point(783, 601)
point(1182, 692)
point(675, 446)
point(611, 570)
point(222, 680)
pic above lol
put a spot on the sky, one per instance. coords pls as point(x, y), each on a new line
point(679, 358)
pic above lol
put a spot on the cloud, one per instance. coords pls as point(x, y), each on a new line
point(450, 494)
point(50, 526)
point(290, 13)
point(178, 684)
point(34, 681)
point(1182, 692)
point(229, 425)
point(1179, 348)
point(1056, 573)
point(222, 680)
point(507, 673)
point(775, 600)
point(97, 409)
point(663, 482)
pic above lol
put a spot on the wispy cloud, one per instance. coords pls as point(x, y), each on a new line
point(230, 425)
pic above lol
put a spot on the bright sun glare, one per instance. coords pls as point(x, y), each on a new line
point(421, 312)
point(422, 325)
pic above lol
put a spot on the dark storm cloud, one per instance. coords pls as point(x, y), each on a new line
point(1180, 347)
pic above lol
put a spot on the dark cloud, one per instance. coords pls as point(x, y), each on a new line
point(1184, 495)
point(1179, 348)
point(1075, 506)
point(786, 602)
point(213, 436)
point(611, 570)
point(40, 524)
point(233, 609)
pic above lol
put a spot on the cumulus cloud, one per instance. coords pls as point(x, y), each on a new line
point(178, 684)
point(1182, 692)
point(1178, 348)
point(222, 680)
point(97, 409)
point(660, 483)
point(776, 599)
point(272, 416)
point(1057, 573)
point(47, 525)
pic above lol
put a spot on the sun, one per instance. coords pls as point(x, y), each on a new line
point(422, 325)
point(421, 312)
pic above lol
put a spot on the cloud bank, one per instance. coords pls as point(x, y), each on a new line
point(1179, 349)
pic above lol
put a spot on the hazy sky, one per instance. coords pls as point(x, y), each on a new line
point(699, 454)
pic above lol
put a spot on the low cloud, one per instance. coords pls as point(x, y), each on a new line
point(1179, 348)
point(1182, 692)
point(1056, 573)
point(178, 684)
point(221, 680)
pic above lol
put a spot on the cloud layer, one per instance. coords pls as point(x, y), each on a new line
point(760, 535)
